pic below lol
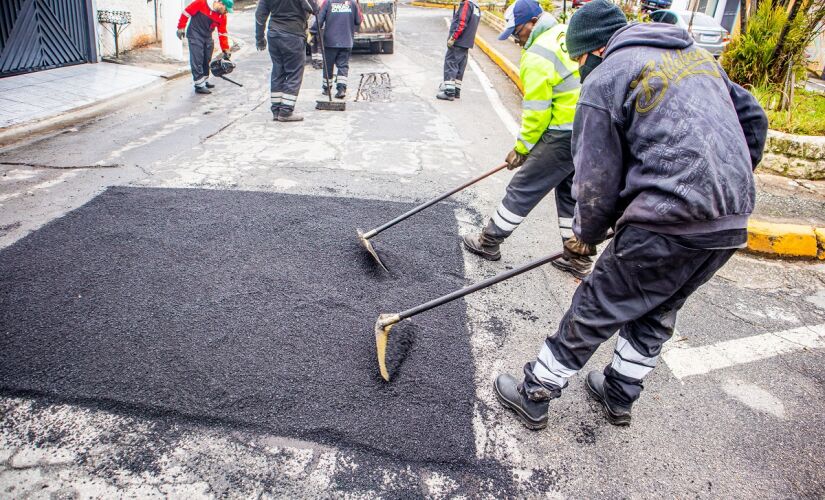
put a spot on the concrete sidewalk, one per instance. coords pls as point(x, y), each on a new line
point(36, 96)
point(789, 216)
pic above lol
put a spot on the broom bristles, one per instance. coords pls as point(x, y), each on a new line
point(330, 106)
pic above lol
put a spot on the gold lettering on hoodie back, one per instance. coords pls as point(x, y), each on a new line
point(656, 77)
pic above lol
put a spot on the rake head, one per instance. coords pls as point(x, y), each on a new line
point(331, 105)
point(383, 325)
point(365, 242)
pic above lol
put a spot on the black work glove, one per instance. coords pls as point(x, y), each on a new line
point(576, 249)
point(180, 34)
point(515, 159)
point(261, 44)
point(227, 54)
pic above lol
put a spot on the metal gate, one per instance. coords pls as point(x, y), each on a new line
point(43, 34)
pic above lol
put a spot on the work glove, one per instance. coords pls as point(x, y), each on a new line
point(515, 159)
point(451, 42)
point(180, 34)
point(227, 54)
point(576, 249)
point(261, 44)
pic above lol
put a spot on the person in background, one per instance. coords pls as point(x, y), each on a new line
point(462, 38)
point(202, 19)
point(338, 21)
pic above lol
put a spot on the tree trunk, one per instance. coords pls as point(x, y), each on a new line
point(743, 17)
point(778, 59)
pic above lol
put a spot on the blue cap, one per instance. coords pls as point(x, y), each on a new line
point(520, 12)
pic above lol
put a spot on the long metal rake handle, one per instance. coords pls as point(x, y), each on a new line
point(477, 286)
point(373, 232)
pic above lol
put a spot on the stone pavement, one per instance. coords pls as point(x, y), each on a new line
point(36, 96)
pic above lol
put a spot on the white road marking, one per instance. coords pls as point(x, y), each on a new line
point(689, 361)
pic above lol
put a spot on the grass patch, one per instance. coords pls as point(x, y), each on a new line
point(806, 117)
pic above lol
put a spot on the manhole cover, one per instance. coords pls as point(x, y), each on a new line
point(375, 87)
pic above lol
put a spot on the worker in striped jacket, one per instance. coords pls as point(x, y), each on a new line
point(542, 152)
point(202, 19)
point(461, 40)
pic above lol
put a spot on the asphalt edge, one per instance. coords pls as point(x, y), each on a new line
point(765, 238)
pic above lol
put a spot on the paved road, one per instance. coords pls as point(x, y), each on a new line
point(743, 425)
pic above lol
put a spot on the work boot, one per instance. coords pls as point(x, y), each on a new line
point(209, 85)
point(616, 414)
point(288, 115)
point(531, 412)
point(341, 93)
point(202, 90)
point(325, 91)
point(484, 244)
point(445, 95)
point(579, 267)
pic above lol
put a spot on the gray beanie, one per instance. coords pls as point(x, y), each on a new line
point(592, 26)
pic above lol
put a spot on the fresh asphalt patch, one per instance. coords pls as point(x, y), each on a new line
point(245, 308)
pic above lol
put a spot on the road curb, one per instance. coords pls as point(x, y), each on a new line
point(767, 238)
point(433, 5)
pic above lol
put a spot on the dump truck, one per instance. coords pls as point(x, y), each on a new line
point(377, 33)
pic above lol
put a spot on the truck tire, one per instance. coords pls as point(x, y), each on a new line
point(375, 47)
point(388, 47)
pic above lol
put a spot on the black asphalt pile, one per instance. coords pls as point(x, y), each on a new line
point(248, 309)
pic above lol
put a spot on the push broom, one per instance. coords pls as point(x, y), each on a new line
point(364, 238)
point(329, 105)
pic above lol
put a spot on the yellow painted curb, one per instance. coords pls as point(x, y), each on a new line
point(510, 69)
point(785, 240)
point(431, 5)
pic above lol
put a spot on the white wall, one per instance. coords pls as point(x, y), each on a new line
point(141, 31)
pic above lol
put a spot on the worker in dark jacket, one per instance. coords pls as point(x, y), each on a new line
point(664, 147)
point(286, 38)
point(462, 38)
point(202, 20)
point(338, 19)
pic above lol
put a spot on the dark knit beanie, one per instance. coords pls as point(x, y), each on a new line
point(592, 26)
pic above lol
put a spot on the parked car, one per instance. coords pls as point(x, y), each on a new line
point(705, 30)
point(651, 5)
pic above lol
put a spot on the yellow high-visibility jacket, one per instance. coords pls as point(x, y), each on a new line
point(551, 83)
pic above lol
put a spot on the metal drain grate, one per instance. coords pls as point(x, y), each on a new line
point(374, 87)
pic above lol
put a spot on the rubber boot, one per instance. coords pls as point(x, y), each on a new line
point(446, 95)
point(511, 394)
point(202, 89)
point(616, 414)
point(579, 267)
point(288, 115)
point(485, 244)
point(341, 92)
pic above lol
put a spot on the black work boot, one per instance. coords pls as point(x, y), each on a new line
point(446, 95)
point(202, 90)
point(616, 415)
point(532, 413)
point(288, 115)
point(209, 85)
point(484, 244)
point(579, 267)
point(341, 92)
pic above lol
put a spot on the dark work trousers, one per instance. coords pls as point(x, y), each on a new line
point(336, 58)
point(637, 286)
point(455, 62)
point(548, 166)
point(287, 53)
point(200, 54)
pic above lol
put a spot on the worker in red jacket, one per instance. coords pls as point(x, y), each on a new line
point(203, 19)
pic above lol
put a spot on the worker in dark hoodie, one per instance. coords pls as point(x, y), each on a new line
point(338, 20)
point(664, 147)
point(462, 38)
